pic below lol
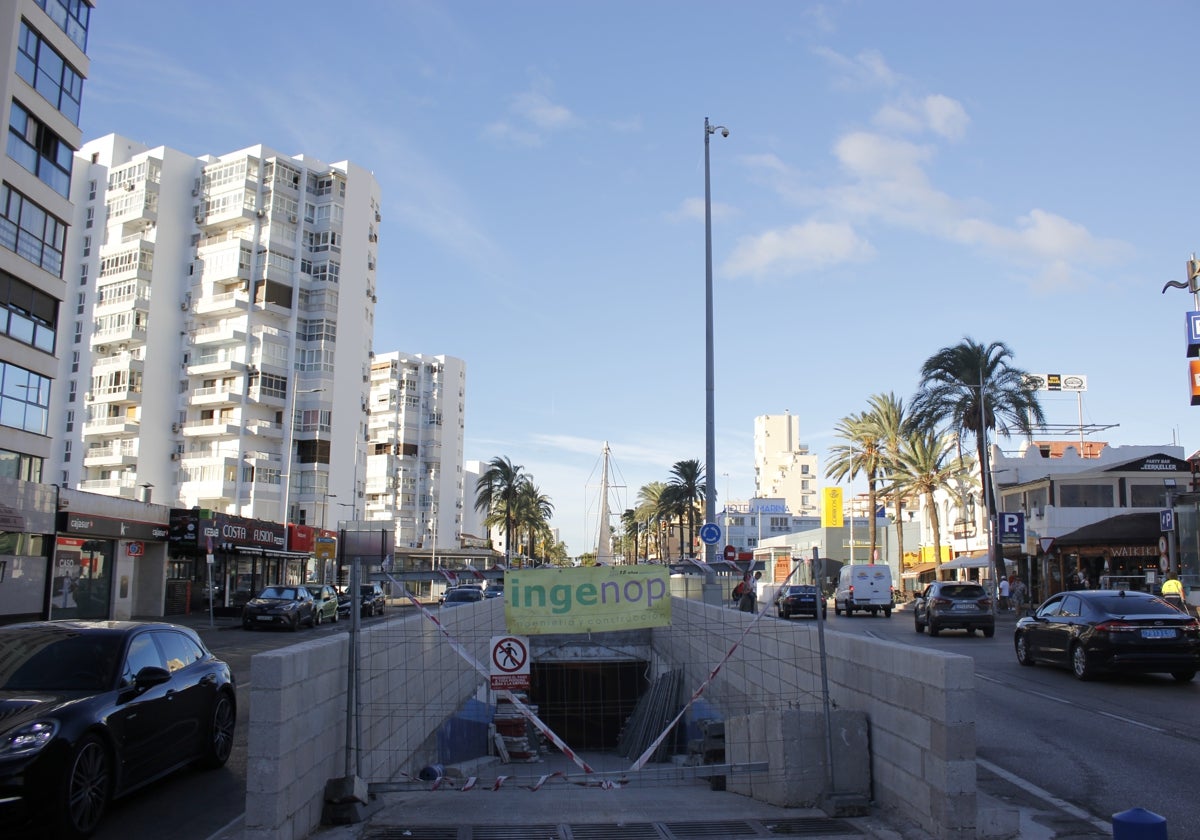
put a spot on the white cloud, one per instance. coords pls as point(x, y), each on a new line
point(867, 69)
point(540, 111)
point(797, 249)
point(508, 133)
point(946, 116)
point(938, 114)
point(693, 208)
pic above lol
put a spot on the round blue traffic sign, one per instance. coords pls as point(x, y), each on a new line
point(710, 533)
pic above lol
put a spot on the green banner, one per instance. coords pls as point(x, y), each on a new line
point(586, 599)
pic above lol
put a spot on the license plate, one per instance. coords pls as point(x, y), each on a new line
point(965, 607)
point(1158, 633)
point(263, 617)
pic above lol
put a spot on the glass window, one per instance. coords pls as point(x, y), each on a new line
point(45, 70)
point(24, 399)
point(28, 230)
point(143, 653)
point(34, 146)
point(1085, 495)
point(178, 650)
point(72, 17)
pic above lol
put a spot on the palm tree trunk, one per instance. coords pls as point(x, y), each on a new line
point(900, 532)
point(937, 534)
point(871, 502)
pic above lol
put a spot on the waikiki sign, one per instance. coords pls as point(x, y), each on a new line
point(586, 599)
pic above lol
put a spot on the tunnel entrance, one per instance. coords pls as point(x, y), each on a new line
point(587, 703)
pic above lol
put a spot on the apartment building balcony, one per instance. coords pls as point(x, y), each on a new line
point(124, 361)
point(216, 395)
point(268, 397)
point(228, 215)
point(215, 366)
point(118, 339)
point(226, 333)
point(210, 428)
point(117, 453)
point(139, 301)
point(111, 427)
point(273, 308)
point(210, 491)
point(123, 486)
point(223, 303)
point(265, 429)
point(120, 394)
point(130, 259)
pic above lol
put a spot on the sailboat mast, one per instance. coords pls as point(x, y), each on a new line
point(604, 542)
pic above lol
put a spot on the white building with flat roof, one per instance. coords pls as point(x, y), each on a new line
point(221, 326)
point(783, 467)
point(414, 467)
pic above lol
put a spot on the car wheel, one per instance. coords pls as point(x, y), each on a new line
point(933, 629)
point(970, 631)
point(317, 616)
point(836, 609)
point(887, 612)
point(920, 628)
point(83, 797)
point(1024, 654)
point(295, 623)
point(1079, 663)
point(222, 722)
point(988, 632)
point(336, 615)
point(1183, 676)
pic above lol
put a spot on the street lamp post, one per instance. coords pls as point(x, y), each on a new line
point(710, 447)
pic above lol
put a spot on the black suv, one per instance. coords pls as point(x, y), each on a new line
point(372, 599)
point(954, 605)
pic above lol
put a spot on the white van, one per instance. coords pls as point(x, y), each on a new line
point(867, 587)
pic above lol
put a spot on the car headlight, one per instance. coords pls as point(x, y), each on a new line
point(28, 738)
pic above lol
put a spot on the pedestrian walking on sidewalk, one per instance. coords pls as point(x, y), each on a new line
point(1017, 593)
point(1004, 594)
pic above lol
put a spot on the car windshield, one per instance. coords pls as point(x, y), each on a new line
point(800, 590)
point(279, 592)
point(368, 590)
point(962, 591)
point(51, 659)
point(463, 595)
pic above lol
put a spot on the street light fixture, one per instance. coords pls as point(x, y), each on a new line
point(710, 447)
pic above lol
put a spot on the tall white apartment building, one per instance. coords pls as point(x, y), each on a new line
point(43, 64)
point(783, 467)
point(414, 467)
point(221, 326)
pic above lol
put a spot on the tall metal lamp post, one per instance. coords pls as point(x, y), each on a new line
point(710, 446)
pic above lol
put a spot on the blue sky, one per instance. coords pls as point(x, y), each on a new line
point(897, 176)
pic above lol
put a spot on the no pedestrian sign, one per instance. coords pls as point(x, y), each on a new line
point(509, 663)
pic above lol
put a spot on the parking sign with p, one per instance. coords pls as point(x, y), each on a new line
point(1012, 528)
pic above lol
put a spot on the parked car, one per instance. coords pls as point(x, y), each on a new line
point(954, 605)
point(496, 590)
point(280, 606)
point(460, 595)
point(345, 601)
point(1105, 630)
point(799, 599)
point(92, 710)
point(325, 602)
point(372, 599)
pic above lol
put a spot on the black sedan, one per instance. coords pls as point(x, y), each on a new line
point(92, 710)
point(1104, 630)
point(280, 606)
point(799, 599)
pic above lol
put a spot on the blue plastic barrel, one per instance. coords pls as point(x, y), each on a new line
point(1139, 824)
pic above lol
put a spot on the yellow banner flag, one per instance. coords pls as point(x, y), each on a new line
point(586, 599)
point(831, 507)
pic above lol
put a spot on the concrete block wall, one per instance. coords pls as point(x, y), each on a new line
point(919, 704)
point(410, 682)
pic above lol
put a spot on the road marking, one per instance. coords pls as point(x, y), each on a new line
point(1045, 795)
point(1122, 718)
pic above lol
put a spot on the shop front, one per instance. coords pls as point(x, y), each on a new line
point(106, 566)
point(1121, 552)
point(225, 560)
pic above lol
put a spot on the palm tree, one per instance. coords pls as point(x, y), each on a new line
point(972, 389)
point(496, 495)
point(629, 530)
point(687, 481)
point(672, 504)
point(649, 496)
point(889, 425)
point(531, 514)
point(860, 453)
point(927, 462)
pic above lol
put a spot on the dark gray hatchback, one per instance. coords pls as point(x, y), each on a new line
point(954, 605)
